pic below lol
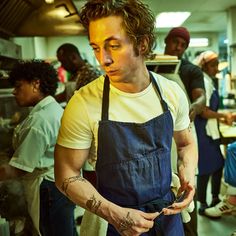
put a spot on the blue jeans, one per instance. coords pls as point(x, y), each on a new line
point(56, 212)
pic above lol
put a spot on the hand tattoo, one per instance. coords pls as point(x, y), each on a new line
point(70, 180)
point(93, 204)
point(126, 223)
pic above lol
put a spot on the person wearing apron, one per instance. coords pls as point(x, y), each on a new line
point(125, 129)
point(34, 138)
point(190, 78)
point(133, 148)
point(211, 160)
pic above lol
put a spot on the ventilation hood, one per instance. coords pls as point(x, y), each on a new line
point(38, 18)
point(9, 54)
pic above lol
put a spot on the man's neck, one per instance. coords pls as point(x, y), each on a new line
point(135, 83)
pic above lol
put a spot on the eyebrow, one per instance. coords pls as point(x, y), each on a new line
point(106, 40)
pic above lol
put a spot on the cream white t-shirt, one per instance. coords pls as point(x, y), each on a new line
point(79, 126)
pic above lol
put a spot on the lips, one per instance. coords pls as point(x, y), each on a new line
point(111, 72)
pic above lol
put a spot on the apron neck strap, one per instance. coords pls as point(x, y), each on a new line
point(105, 98)
point(163, 103)
point(106, 91)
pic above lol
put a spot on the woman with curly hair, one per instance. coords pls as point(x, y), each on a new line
point(35, 83)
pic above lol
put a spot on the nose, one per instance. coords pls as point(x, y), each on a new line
point(179, 46)
point(105, 58)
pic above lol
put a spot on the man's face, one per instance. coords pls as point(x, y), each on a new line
point(66, 61)
point(113, 48)
point(175, 46)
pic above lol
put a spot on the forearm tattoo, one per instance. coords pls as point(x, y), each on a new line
point(126, 223)
point(93, 204)
point(70, 180)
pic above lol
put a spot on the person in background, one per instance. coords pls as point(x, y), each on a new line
point(81, 71)
point(123, 124)
point(227, 205)
point(211, 161)
point(176, 43)
point(34, 139)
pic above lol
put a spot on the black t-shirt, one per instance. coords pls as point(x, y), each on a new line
point(191, 76)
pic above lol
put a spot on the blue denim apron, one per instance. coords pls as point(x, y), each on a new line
point(210, 156)
point(133, 166)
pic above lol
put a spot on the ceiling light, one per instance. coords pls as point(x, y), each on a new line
point(49, 1)
point(57, 13)
point(199, 42)
point(69, 29)
point(171, 19)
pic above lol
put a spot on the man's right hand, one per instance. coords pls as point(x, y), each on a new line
point(134, 222)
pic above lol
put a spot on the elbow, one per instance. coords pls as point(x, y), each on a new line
point(204, 113)
point(57, 170)
point(58, 181)
point(59, 186)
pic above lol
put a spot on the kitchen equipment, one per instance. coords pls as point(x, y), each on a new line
point(4, 227)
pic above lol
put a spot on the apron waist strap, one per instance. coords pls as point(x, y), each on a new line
point(156, 205)
point(153, 206)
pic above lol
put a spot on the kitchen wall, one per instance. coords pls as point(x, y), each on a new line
point(45, 47)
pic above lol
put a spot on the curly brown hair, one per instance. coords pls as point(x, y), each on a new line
point(138, 19)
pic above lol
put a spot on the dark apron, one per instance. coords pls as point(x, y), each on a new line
point(210, 156)
point(133, 166)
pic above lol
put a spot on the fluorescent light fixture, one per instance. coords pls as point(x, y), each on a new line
point(199, 42)
point(69, 27)
point(171, 19)
point(57, 13)
point(49, 1)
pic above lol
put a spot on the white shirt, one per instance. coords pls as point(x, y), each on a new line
point(79, 128)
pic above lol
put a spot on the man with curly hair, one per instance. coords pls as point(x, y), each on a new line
point(123, 123)
point(35, 83)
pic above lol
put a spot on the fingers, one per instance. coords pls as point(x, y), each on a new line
point(171, 211)
point(177, 207)
point(150, 216)
point(228, 118)
point(181, 205)
point(139, 222)
point(147, 222)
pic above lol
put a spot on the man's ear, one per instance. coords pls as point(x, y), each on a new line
point(144, 45)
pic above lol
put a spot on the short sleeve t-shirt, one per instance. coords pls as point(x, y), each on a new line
point(191, 76)
point(79, 127)
point(35, 137)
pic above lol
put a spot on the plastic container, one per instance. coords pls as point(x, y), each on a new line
point(4, 227)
